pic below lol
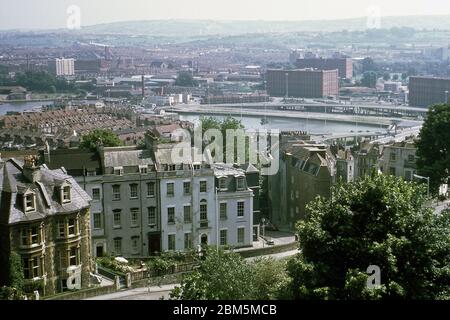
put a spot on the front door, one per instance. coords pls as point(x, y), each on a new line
point(99, 251)
point(204, 239)
point(154, 243)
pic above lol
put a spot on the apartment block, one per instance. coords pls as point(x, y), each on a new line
point(64, 67)
point(305, 83)
point(427, 91)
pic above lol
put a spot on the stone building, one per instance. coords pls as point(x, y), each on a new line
point(366, 159)
point(307, 170)
point(44, 218)
point(144, 202)
point(399, 159)
point(234, 199)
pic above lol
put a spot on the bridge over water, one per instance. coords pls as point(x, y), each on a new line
point(353, 108)
point(271, 110)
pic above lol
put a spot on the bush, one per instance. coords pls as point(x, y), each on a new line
point(110, 263)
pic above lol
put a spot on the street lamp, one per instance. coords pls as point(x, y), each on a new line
point(428, 182)
point(263, 221)
point(217, 219)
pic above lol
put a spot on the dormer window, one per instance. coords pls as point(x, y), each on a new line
point(143, 169)
point(118, 171)
point(66, 196)
point(30, 202)
point(240, 183)
point(223, 183)
point(172, 167)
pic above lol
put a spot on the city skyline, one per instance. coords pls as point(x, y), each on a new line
point(13, 16)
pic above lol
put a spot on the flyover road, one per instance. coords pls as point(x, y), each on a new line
point(208, 110)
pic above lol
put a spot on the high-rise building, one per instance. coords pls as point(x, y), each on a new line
point(344, 65)
point(64, 67)
point(305, 83)
point(426, 91)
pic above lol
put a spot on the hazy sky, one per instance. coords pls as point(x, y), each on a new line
point(25, 14)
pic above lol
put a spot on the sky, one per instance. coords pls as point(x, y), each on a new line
point(51, 14)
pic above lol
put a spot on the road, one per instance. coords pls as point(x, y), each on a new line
point(441, 206)
point(208, 110)
point(155, 293)
point(162, 292)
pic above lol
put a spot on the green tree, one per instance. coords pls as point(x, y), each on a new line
point(228, 123)
point(369, 79)
point(433, 147)
point(185, 79)
point(270, 278)
point(210, 123)
point(106, 138)
point(220, 276)
point(379, 220)
point(386, 76)
point(14, 290)
point(16, 277)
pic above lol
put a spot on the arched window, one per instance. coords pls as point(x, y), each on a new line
point(204, 239)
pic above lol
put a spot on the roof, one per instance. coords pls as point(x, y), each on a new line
point(73, 159)
point(223, 170)
point(126, 158)
point(165, 130)
point(249, 168)
point(170, 153)
point(14, 182)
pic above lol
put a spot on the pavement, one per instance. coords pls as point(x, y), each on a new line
point(144, 293)
point(441, 206)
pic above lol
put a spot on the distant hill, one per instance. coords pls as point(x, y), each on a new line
point(196, 28)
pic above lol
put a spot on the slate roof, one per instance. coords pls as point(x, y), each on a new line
point(123, 157)
point(224, 170)
point(74, 159)
point(13, 184)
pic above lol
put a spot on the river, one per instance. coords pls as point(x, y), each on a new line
point(250, 122)
point(309, 125)
point(21, 106)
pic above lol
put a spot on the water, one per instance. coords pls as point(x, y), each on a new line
point(21, 106)
point(286, 124)
point(250, 122)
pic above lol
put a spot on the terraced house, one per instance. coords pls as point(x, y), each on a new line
point(145, 203)
point(44, 219)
